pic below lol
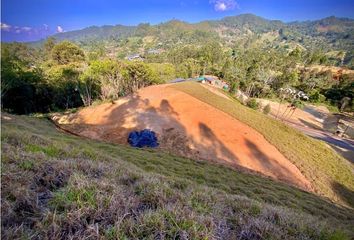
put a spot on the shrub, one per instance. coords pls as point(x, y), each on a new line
point(317, 97)
point(252, 103)
point(266, 109)
point(233, 88)
point(298, 104)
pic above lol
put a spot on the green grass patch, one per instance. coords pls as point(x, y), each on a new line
point(26, 165)
point(50, 151)
point(74, 197)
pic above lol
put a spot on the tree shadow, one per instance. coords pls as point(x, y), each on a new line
point(166, 107)
point(330, 123)
point(271, 165)
point(309, 124)
point(314, 112)
point(346, 153)
point(346, 195)
point(120, 118)
point(211, 142)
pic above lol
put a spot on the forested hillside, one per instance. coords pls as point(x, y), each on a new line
point(326, 35)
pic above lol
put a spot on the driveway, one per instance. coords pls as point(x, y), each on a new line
point(345, 147)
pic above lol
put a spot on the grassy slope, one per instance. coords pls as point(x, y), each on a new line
point(330, 175)
point(60, 186)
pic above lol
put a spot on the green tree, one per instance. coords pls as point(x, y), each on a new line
point(20, 81)
point(67, 52)
point(138, 75)
point(164, 71)
point(64, 79)
point(267, 109)
point(48, 46)
point(107, 74)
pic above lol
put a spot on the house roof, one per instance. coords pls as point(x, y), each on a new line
point(177, 80)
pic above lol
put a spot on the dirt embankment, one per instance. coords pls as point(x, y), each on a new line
point(187, 127)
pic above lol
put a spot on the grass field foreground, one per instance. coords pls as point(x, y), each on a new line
point(58, 186)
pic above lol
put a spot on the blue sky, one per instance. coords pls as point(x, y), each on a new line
point(28, 20)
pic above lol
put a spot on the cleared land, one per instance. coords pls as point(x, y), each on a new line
point(59, 186)
point(185, 126)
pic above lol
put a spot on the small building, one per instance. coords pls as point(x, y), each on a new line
point(214, 81)
point(154, 51)
point(134, 57)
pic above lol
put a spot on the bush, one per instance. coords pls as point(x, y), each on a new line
point(233, 88)
point(317, 97)
point(266, 109)
point(252, 103)
point(298, 104)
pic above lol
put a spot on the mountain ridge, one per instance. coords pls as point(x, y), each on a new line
point(240, 19)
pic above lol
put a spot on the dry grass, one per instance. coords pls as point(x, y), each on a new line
point(330, 175)
point(56, 186)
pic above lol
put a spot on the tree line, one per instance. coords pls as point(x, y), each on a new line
point(59, 76)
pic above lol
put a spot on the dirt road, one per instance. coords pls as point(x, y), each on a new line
point(316, 122)
point(344, 147)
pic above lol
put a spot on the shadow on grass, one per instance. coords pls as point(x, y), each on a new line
point(309, 124)
point(314, 112)
point(271, 165)
point(347, 195)
point(347, 154)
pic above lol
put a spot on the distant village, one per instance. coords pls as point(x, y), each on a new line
point(140, 57)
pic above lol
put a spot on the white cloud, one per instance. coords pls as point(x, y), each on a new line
point(26, 29)
point(220, 6)
point(224, 5)
point(40, 31)
point(60, 29)
point(5, 27)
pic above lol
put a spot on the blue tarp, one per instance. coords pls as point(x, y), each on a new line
point(144, 138)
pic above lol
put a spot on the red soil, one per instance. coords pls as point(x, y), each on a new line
point(187, 127)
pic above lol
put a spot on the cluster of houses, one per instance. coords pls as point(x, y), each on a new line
point(134, 57)
point(139, 57)
point(207, 79)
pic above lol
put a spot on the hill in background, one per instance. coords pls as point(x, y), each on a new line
point(334, 36)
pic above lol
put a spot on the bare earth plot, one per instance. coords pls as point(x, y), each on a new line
point(185, 126)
